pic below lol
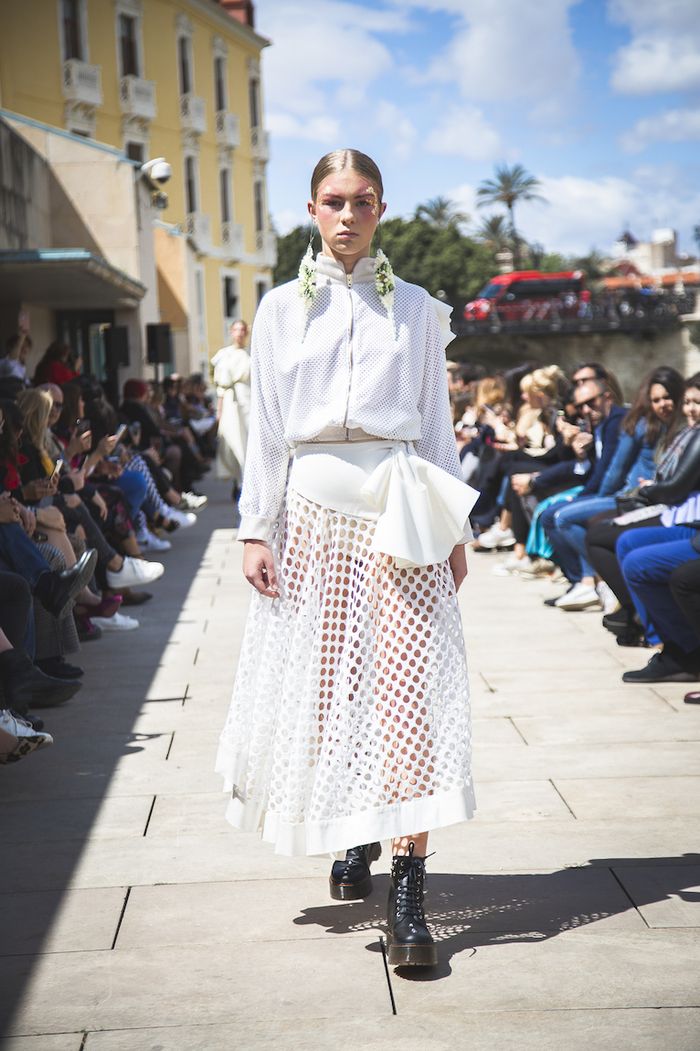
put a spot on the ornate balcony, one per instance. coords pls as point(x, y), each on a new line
point(82, 83)
point(138, 97)
point(228, 129)
point(193, 114)
point(260, 144)
point(232, 239)
point(266, 246)
point(198, 230)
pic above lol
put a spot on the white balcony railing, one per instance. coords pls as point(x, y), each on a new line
point(228, 129)
point(138, 97)
point(193, 114)
point(260, 144)
point(232, 239)
point(198, 229)
point(82, 82)
point(266, 246)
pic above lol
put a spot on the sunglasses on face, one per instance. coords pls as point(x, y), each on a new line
point(590, 404)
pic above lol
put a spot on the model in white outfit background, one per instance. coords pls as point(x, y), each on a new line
point(232, 379)
point(350, 722)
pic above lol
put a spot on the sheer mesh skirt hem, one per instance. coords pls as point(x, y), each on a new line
point(350, 719)
point(330, 837)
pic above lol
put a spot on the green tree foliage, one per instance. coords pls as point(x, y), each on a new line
point(290, 250)
point(437, 257)
point(441, 212)
point(494, 232)
point(510, 186)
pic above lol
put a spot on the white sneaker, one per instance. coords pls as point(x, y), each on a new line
point(148, 541)
point(184, 519)
point(536, 567)
point(119, 622)
point(496, 537)
point(581, 596)
point(191, 501)
point(607, 597)
point(135, 571)
point(28, 739)
point(510, 567)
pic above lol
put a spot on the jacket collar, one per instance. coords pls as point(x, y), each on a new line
point(328, 271)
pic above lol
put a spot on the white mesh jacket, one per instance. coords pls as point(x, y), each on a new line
point(348, 367)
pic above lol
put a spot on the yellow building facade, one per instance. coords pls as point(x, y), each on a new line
point(172, 79)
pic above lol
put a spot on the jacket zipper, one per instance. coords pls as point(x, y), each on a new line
point(348, 278)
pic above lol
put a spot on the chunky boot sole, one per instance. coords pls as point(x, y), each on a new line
point(355, 891)
point(411, 955)
point(350, 891)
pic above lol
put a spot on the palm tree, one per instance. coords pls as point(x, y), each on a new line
point(441, 212)
point(495, 234)
point(511, 185)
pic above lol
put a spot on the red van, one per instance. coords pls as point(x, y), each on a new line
point(527, 295)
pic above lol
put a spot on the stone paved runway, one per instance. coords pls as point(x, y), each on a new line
point(132, 918)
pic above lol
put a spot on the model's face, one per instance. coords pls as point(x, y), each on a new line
point(347, 210)
point(239, 333)
point(691, 406)
point(661, 402)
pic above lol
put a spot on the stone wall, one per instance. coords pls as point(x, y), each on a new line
point(629, 356)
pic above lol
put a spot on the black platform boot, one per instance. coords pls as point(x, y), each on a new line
point(351, 879)
point(409, 942)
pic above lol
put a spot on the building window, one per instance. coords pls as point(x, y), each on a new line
point(134, 151)
point(225, 194)
point(230, 290)
point(184, 57)
point(254, 97)
point(260, 290)
point(201, 307)
point(220, 83)
point(128, 46)
point(259, 207)
point(191, 199)
point(71, 17)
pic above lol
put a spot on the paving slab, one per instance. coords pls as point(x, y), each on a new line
point(668, 897)
point(57, 1042)
point(60, 921)
point(60, 820)
point(553, 704)
point(196, 984)
point(657, 726)
point(610, 797)
point(603, 1030)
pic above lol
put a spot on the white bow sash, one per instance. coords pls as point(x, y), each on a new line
point(423, 510)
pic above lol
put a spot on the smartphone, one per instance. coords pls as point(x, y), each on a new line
point(120, 432)
point(82, 426)
point(56, 471)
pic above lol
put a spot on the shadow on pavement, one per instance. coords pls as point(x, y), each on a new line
point(469, 912)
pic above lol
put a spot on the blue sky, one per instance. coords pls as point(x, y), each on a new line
point(600, 99)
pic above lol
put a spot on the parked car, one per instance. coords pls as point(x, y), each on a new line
point(526, 295)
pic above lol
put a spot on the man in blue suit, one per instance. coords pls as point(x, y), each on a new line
point(596, 405)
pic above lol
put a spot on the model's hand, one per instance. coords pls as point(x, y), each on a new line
point(458, 565)
point(259, 568)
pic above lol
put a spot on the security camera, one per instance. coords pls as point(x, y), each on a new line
point(158, 170)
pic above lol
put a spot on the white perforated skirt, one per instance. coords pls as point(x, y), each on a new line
point(350, 720)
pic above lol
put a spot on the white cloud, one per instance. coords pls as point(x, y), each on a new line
point(675, 125)
point(508, 50)
point(335, 46)
point(463, 131)
point(664, 52)
point(287, 218)
point(581, 212)
point(318, 129)
point(392, 120)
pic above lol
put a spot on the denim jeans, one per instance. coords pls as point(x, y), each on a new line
point(20, 555)
point(647, 558)
point(564, 524)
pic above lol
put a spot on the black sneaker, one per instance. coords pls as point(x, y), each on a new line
point(662, 668)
